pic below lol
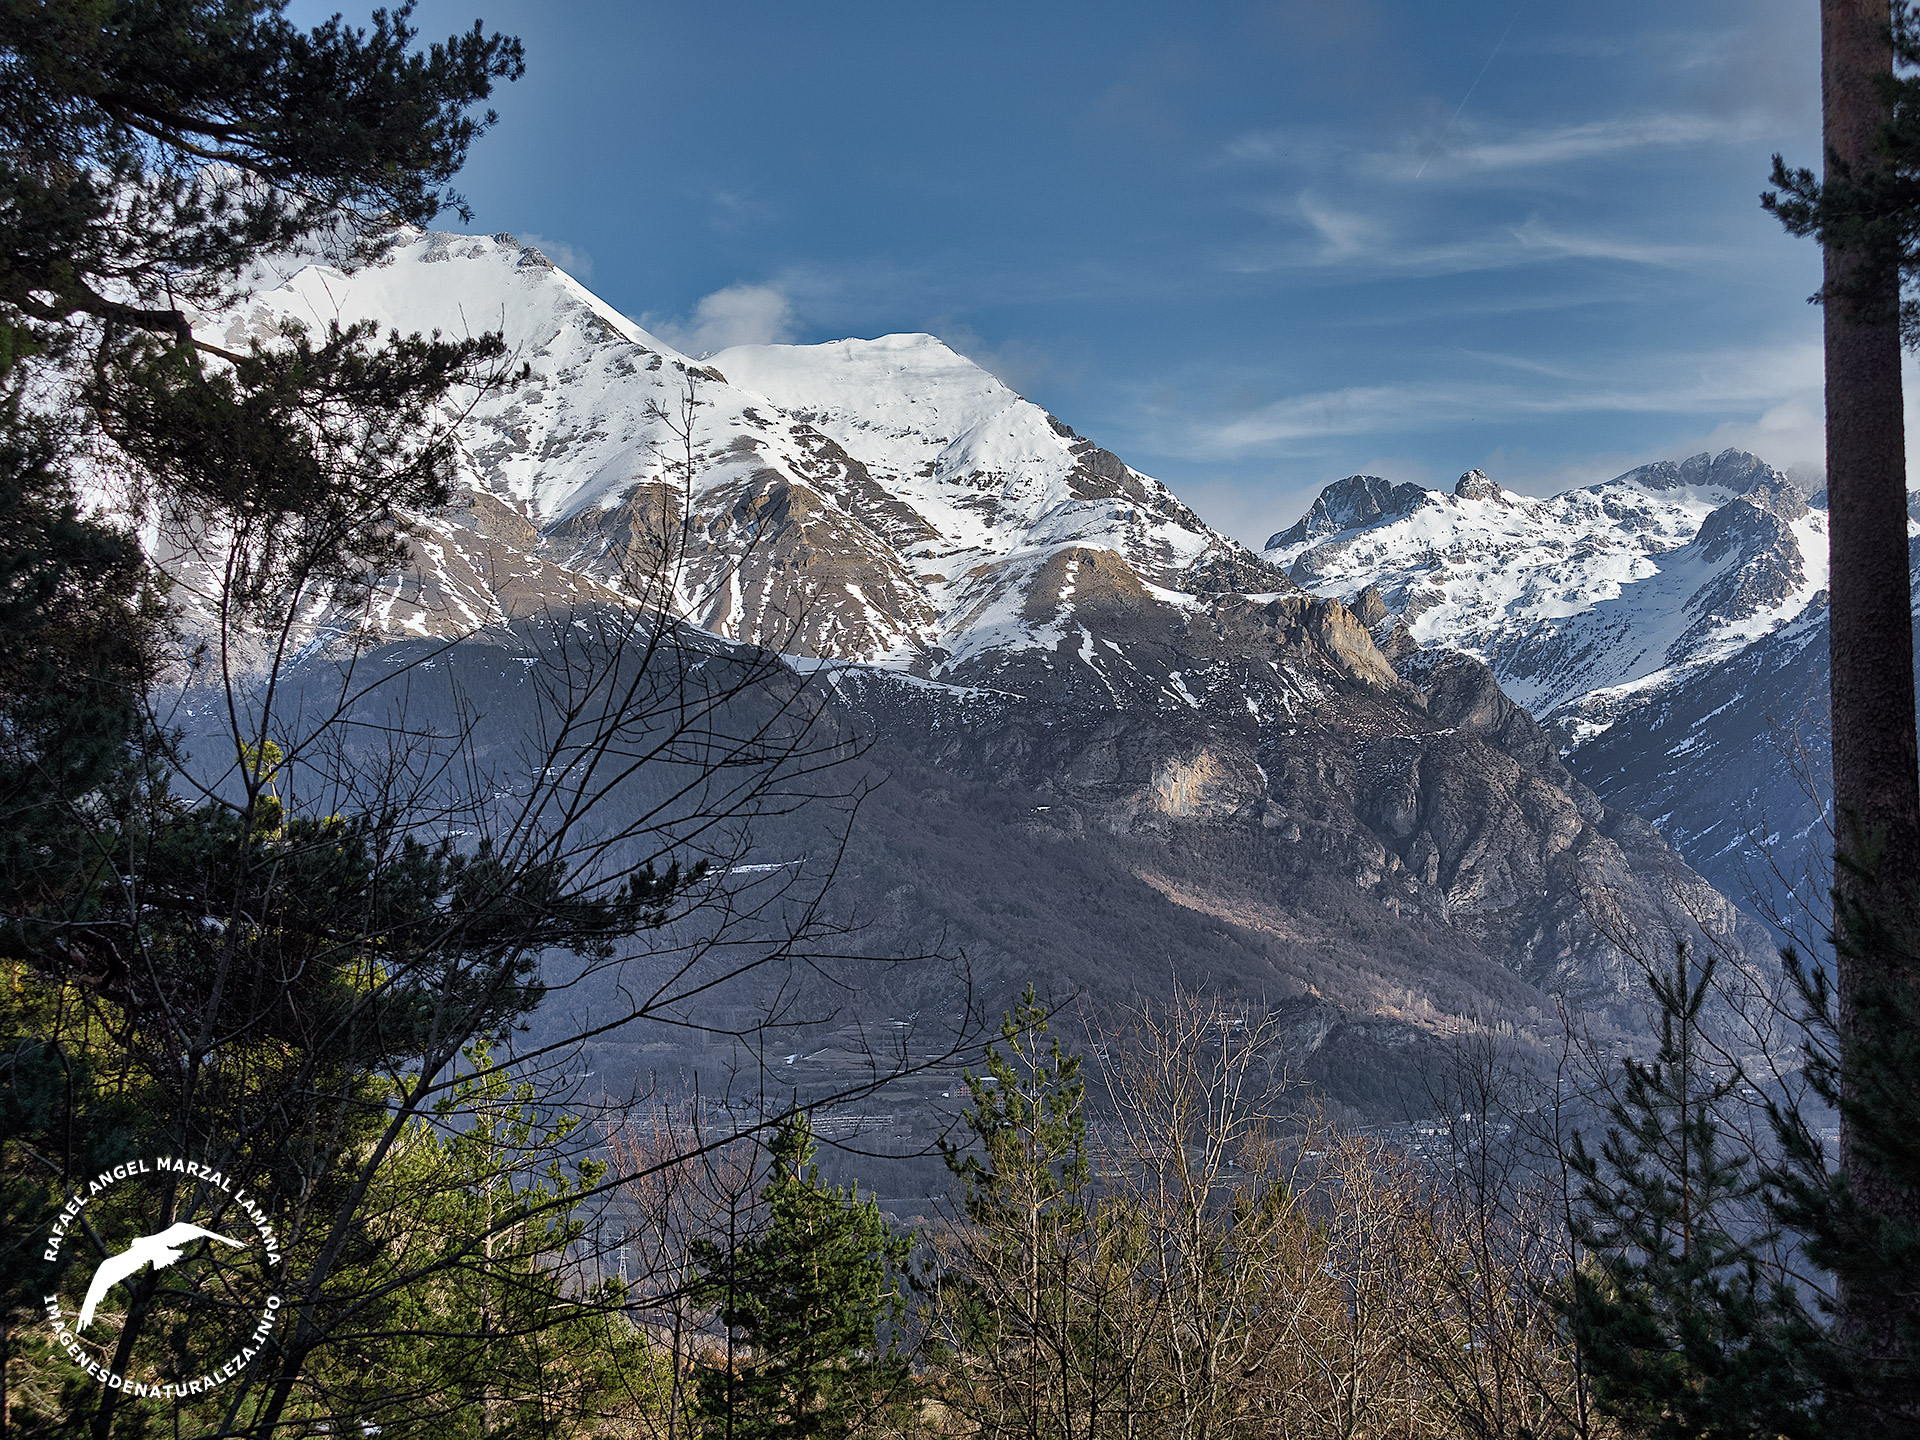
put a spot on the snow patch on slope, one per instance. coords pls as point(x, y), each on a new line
point(1615, 588)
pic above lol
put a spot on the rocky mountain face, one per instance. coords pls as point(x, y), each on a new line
point(1732, 763)
point(1124, 750)
point(1668, 627)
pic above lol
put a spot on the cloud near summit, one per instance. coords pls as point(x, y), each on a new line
point(737, 315)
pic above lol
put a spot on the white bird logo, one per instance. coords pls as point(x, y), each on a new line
point(158, 1251)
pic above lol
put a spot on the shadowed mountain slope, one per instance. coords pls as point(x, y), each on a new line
point(1118, 749)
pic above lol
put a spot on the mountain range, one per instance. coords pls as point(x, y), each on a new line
point(1380, 773)
point(1668, 627)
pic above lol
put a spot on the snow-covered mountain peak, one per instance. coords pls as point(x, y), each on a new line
point(1349, 504)
point(1474, 485)
point(885, 500)
point(1731, 471)
point(993, 471)
point(914, 381)
point(456, 284)
point(1617, 587)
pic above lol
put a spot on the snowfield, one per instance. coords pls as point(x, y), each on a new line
point(1596, 593)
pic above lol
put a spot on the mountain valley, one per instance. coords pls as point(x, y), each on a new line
point(1112, 750)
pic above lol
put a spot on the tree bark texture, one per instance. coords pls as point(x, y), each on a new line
point(1876, 773)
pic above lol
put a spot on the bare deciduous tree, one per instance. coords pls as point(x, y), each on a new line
point(377, 851)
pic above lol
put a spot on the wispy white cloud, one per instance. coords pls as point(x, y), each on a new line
point(1343, 233)
point(1289, 145)
point(735, 209)
point(737, 315)
point(1340, 235)
point(1479, 148)
point(1769, 382)
point(1372, 241)
point(1482, 149)
point(1549, 242)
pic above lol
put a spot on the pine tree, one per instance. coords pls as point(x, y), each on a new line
point(1036, 1274)
point(810, 1304)
point(1865, 211)
point(150, 152)
point(1688, 1332)
point(503, 1334)
point(1026, 1167)
point(1873, 1080)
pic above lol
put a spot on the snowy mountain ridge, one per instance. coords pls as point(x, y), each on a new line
point(882, 501)
point(1584, 602)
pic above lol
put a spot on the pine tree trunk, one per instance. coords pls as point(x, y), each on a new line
point(1876, 792)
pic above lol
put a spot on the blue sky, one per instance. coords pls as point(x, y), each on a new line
point(1251, 247)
